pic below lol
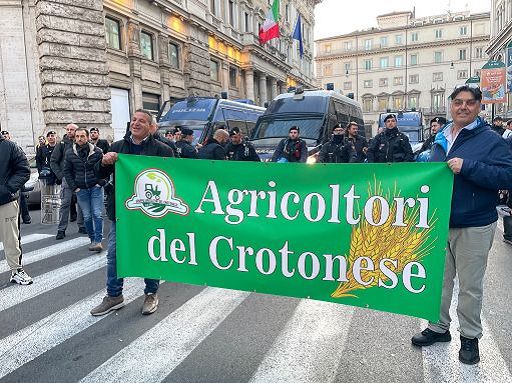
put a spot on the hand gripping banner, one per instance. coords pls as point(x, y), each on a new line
point(367, 235)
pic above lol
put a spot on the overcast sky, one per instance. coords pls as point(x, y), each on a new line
point(337, 17)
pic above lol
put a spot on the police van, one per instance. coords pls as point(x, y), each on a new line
point(205, 114)
point(314, 111)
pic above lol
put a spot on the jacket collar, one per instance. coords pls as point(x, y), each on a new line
point(473, 128)
point(91, 149)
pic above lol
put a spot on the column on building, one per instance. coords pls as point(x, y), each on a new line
point(263, 88)
point(163, 60)
point(135, 64)
point(273, 88)
point(249, 84)
point(225, 76)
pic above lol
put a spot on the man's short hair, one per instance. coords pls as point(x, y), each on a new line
point(84, 130)
point(294, 128)
point(389, 116)
point(509, 122)
point(497, 118)
point(352, 123)
point(151, 119)
point(476, 92)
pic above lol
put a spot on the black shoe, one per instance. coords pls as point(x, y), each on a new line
point(27, 221)
point(428, 337)
point(82, 230)
point(60, 235)
point(469, 353)
point(72, 218)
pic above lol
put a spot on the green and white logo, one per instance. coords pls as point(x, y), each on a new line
point(154, 195)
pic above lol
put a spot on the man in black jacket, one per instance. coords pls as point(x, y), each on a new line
point(436, 124)
point(79, 173)
point(14, 172)
point(238, 149)
point(291, 149)
point(184, 145)
point(391, 145)
point(214, 147)
point(338, 149)
point(138, 141)
point(43, 156)
point(66, 194)
point(99, 142)
point(358, 142)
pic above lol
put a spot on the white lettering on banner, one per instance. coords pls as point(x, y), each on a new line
point(314, 207)
point(224, 254)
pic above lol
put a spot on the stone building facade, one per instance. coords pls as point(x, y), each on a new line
point(93, 62)
point(404, 63)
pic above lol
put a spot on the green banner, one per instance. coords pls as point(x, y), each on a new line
point(368, 235)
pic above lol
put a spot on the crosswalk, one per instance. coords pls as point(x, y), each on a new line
point(204, 334)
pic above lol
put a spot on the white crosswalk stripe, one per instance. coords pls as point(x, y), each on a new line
point(29, 239)
point(48, 252)
point(27, 344)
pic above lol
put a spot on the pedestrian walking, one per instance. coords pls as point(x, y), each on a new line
point(391, 145)
point(99, 142)
point(14, 172)
point(79, 174)
point(481, 162)
point(138, 141)
point(338, 149)
point(358, 142)
point(184, 145)
point(213, 149)
point(66, 194)
point(239, 149)
point(291, 149)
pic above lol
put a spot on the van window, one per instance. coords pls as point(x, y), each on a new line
point(311, 104)
point(309, 128)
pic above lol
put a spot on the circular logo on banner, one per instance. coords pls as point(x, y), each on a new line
point(154, 195)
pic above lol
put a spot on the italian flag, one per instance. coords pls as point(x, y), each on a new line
point(270, 28)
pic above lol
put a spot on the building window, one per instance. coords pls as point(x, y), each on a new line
point(479, 53)
point(462, 54)
point(439, 33)
point(247, 24)
point(437, 101)
point(462, 74)
point(348, 45)
point(384, 62)
point(413, 101)
point(383, 82)
point(413, 59)
point(368, 64)
point(398, 61)
point(414, 36)
point(231, 12)
point(214, 70)
point(368, 83)
point(414, 79)
point(367, 105)
point(398, 39)
point(367, 44)
point(437, 76)
point(328, 70)
point(383, 103)
point(463, 31)
point(438, 57)
point(383, 41)
point(112, 29)
point(327, 48)
point(398, 81)
point(398, 102)
point(233, 77)
point(174, 55)
point(347, 66)
point(151, 102)
point(347, 85)
point(146, 45)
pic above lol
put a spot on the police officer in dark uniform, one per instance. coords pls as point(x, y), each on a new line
point(184, 145)
point(238, 149)
point(391, 145)
point(338, 149)
point(43, 156)
point(436, 124)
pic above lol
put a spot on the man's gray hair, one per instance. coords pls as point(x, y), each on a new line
point(151, 118)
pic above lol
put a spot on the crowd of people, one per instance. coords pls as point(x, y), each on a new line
point(83, 164)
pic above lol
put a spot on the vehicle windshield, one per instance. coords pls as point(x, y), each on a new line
point(191, 109)
point(196, 128)
point(413, 135)
point(268, 130)
point(310, 104)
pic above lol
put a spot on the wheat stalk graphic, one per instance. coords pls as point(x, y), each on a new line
point(403, 244)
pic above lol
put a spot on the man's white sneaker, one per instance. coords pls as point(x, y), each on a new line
point(20, 277)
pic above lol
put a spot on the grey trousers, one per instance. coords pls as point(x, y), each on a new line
point(10, 233)
point(65, 197)
point(466, 256)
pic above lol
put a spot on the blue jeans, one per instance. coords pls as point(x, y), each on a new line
point(91, 203)
point(114, 284)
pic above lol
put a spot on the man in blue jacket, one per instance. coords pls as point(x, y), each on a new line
point(482, 164)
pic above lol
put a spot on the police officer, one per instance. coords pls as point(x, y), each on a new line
point(338, 149)
point(436, 124)
point(238, 149)
point(391, 145)
point(99, 142)
point(184, 145)
point(43, 156)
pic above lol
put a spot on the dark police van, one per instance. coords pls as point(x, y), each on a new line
point(315, 112)
point(204, 114)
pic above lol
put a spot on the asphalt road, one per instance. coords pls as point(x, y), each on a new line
point(202, 334)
